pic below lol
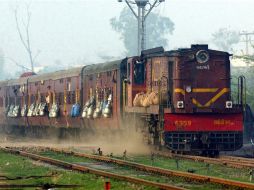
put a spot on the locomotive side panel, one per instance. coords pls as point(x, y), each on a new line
point(157, 69)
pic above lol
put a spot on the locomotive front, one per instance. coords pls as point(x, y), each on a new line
point(202, 116)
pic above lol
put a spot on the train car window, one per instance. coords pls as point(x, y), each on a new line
point(109, 73)
point(61, 98)
point(7, 102)
point(73, 97)
point(68, 98)
point(1, 102)
point(128, 71)
point(18, 100)
point(139, 73)
point(61, 81)
point(43, 99)
point(69, 86)
point(57, 98)
point(69, 80)
point(32, 98)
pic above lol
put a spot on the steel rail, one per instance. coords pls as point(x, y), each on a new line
point(237, 159)
point(84, 169)
point(160, 171)
point(221, 160)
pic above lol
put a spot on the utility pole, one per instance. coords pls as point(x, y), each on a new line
point(141, 18)
point(247, 40)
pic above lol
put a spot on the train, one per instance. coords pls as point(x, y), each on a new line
point(180, 99)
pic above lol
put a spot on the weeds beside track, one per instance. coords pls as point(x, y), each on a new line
point(84, 169)
point(156, 170)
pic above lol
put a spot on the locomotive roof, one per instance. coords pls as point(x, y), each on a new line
point(57, 74)
point(183, 51)
point(159, 51)
point(102, 67)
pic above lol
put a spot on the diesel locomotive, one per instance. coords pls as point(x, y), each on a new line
point(180, 99)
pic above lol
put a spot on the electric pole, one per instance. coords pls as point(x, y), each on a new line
point(247, 40)
point(141, 18)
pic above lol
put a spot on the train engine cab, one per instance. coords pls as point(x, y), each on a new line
point(184, 98)
point(202, 115)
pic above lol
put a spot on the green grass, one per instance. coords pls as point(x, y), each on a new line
point(132, 172)
point(198, 167)
point(14, 166)
point(17, 166)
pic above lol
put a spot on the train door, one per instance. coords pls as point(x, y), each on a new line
point(135, 79)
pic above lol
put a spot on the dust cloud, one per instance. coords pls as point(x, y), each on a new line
point(117, 143)
point(114, 142)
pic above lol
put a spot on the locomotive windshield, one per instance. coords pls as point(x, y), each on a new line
point(139, 74)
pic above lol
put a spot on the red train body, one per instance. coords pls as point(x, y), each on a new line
point(181, 98)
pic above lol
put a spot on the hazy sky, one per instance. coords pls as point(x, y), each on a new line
point(73, 31)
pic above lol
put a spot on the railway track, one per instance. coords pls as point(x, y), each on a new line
point(249, 161)
point(85, 169)
point(231, 161)
point(156, 170)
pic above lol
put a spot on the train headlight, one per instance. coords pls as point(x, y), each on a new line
point(180, 104)
point(202, 56)
point(229, 104)
point(188, 89)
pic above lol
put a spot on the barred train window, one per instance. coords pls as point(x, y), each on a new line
point(43, 98)
point(68, 98)
point(73, 97)
point(32, 99)
point(1, 102)
point(61, 98)
point(109, 73)
point(57, 98)
point(18, 100)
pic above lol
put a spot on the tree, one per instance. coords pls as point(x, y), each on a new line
point(25, 37)
point(157, 27)
point(248, 59)
point(248, 73)
point(225, 38)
